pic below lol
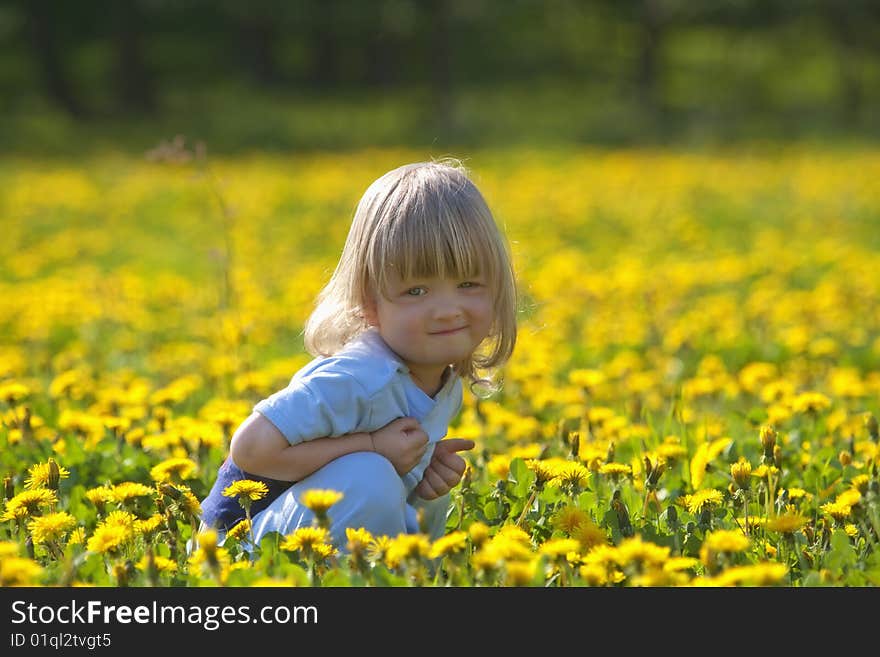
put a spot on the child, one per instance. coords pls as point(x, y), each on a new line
point(423, 296)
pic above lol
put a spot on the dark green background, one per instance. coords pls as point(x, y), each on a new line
point(308, 74)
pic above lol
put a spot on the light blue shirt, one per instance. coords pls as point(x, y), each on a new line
point(362, 387)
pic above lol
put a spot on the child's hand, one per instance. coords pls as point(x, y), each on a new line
point(402, 442)
point(445, 469)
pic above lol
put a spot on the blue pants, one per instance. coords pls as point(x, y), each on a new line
point(374, 498)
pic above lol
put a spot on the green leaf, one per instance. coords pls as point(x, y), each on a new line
point(336, 577)
point(841, 555)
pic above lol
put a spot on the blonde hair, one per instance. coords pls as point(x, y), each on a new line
point(425, 219)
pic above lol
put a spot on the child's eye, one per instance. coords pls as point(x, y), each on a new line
point(416, 292)
point(470, 284)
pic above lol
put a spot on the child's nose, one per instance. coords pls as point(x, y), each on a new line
point(447, 306)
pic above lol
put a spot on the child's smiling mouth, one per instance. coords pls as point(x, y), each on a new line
point(448, 331)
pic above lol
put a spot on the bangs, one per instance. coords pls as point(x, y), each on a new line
point(424, 237)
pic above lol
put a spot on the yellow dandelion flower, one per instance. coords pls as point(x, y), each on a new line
point(311, 541)
point(681, 563)
point(51, 527)
point(189, 503)
point(860, 483)
point(786, 524)
point(358, 539)
point(594, 574)
point(589, 535)
point(128, 490)
point(810, 402)
point(240, 531)
point(850, 497)
point(671, 452)
point(108, 539)
point(568, 518)
point(586, 378)
point(837, 510)
point(543, 470)
point(214, 562)
point(706, 453)
point(520, 573)
point(319, 501)
point(173, 469)
point(798, 493)
point(149, 526)
point(162, 564)
point(722, 541)
point(120, 519)
point(41, 474)
point(8, 549)
point(637, 551)
point(851, 530)
point(559, 547)
point(726, 540)
point(407, 547)
point(513, 533)
point(764, 471)
point(615, 469)
point(100, 495)
point(707, 498)
point(379, 547)
point(508, 546)
point(12, 391)
point(478, 533)
point(759, 574)
point(77, 536)
point(246, 489)
point(571, 474)
point(452, 543)
point(17, 571)
point(499, 466)
point(28, 503)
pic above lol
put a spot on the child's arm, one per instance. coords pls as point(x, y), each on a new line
point(260, 448)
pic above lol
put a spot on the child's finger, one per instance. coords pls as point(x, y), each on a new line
point(456, 444)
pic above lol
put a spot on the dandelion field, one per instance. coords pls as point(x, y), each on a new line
point(692, 401)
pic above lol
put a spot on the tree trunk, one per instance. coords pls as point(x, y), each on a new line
point(134, 88)
point(46, 50)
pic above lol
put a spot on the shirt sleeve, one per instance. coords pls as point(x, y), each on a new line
point(326, 404)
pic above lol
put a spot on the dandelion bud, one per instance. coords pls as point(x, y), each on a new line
point(609, 457)
point(654, 472)
point(777, 456)
point(741, 471)
point(575, 441)
point(8, 488)
point(808, 532)
point(671, 517)
point(54, 475)
point(768, 442)
point(873, 428)
point(170, 491)
point(845, 458)
point(705, 519)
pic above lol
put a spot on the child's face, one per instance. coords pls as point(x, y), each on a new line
point(432, 322)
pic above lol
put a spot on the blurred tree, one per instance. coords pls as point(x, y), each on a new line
point(853, 28)
point(133, 83)
point(42, 27)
